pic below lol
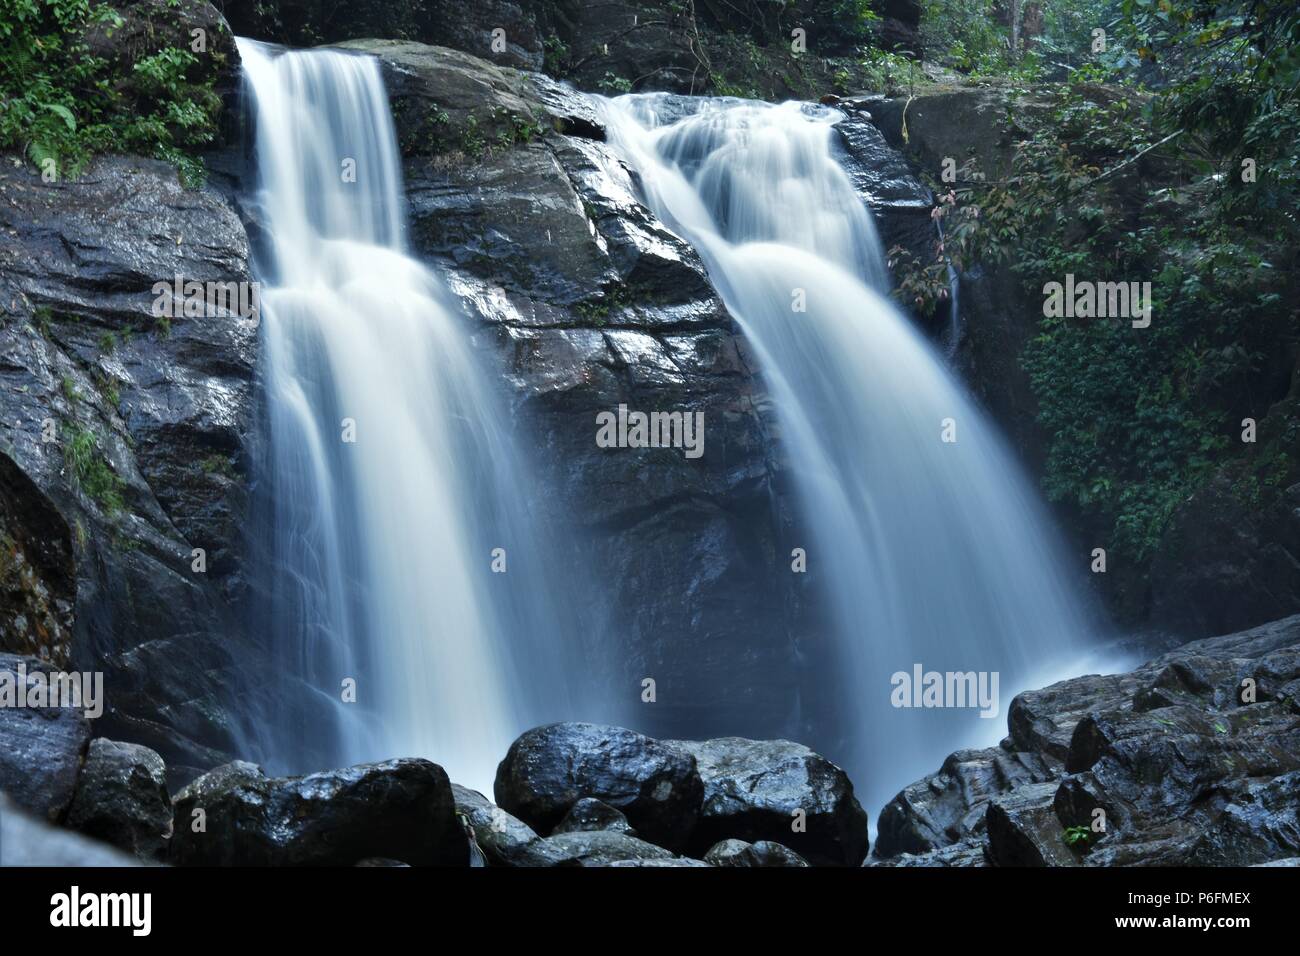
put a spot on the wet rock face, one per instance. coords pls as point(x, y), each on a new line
point(131, 429)
point(1191, 759)
point(900, 202)
point(549, 769)
point(585, 301)
point(399, 809)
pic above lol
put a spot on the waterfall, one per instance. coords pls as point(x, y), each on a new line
point(390, 476)
point(932, 552)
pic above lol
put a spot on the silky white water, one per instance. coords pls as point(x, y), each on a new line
point(931, 552)
point(391, 471)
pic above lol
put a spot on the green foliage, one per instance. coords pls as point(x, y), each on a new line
point(963, 34)
point(881, 71)
point(1077, 836)
point(612, 84)
point(89, 469)
point(555, 56)
point(61, 103)
point(1136, 419)
point(1231, 78)
point(217, 465)
point(109, 389)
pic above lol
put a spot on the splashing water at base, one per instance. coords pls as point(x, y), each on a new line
point(933, 553)
point(379, 549)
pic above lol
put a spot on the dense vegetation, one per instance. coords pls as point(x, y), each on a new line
point(1169, 157)
point(66, 95)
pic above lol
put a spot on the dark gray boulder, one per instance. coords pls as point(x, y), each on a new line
point(780, 791)
point(549, 769)
point(122, 798)
point(399, 809)
point(591, 814)
point(41, 748)
point(764, 853)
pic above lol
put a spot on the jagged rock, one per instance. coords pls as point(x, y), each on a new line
point(503, 839)
point(26, 840)
point(41, 748)
point(1044, 720)
point(605, 848)
point(1191, 759)
point(122, 798)
point(1023, 829)
point(753, 790)
point(950, 806)
point(399, 809)
point(763, 853)
point(549, 769)
point(589, 814)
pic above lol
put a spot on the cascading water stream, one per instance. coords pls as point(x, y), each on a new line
point(933, 553)
point(379, 549)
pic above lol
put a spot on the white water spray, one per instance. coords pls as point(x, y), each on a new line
point(381, 548)
point(934, 553)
